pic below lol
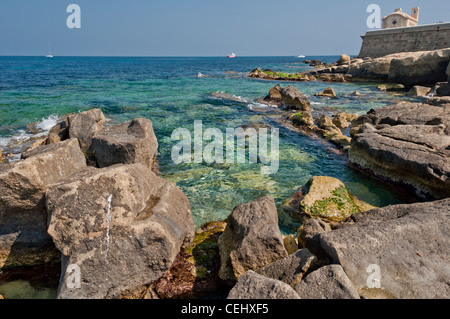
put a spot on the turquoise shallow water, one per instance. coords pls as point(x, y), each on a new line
point(167, 91)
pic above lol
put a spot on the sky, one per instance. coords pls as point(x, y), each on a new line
point(196, 27)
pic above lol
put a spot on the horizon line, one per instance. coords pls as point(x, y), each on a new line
point(171, 56)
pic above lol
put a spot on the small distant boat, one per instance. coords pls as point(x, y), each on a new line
point(301, 56)
point(49, 55)
point(231, 56)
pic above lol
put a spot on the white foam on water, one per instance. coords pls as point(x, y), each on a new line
point(47, 123)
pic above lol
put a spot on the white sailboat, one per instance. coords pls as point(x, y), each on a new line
point(49, 55)
point(301, 56)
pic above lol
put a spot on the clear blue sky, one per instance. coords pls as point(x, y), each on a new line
point(196, 27)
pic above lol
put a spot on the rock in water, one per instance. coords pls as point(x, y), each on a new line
point(327, 198)
point(84, 126)
point(328, 92)
point(419, 91)
point(274, 97)
point(409, 243)
point(251, 240)
point(293, 99)
point(329, 282)
point(122, 226)
point(407, 143)
point(254, 286)
point(127, 143)
point(23, 223)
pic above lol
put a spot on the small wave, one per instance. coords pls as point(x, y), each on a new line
point(47, 123)
point(21, 139)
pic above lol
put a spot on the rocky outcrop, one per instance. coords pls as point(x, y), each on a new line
point(407, 243)
point(420, 68)
point(407, 143)
point(127, 143)
point(293, 99)
point(82, 126)
point(328, 282)
point(23, 222)
point(251, 240)
point(291, 269)
point(304, 120)
point(122, 226)
point(343, 120)
point(332, 133)
point(254, 286)
point(327, 198)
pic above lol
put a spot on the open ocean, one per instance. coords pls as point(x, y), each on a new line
point(166, 91)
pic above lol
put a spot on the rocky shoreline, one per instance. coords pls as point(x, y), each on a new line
point(87, 198)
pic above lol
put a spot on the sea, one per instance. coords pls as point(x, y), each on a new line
point(35, 92)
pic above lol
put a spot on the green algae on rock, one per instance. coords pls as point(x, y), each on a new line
point(194, 274)
point(327, 198)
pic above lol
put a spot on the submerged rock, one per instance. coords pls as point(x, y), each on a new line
point(23, 223)
point(327, 198)
point(409, 243)
point(122, 226)
point(254, 286)
point(251, 240)
point(329, 282)
point(127, 143)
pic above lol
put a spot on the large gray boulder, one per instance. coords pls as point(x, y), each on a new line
point(127, 143)
point(420, 68)
point(291, 269)
point(251, 240)
point(407, 143)
point(254, 286)
point(122, 226)
point(82, 126)
point(23, 221)
point(409, 243)
point(293, 99)
point(328, 282)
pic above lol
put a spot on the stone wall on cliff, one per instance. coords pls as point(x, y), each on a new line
point(411, 39)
